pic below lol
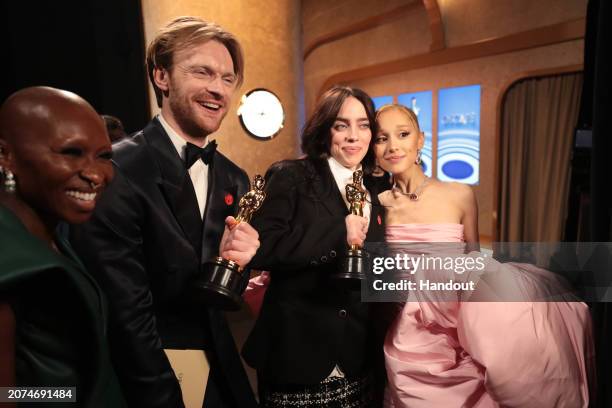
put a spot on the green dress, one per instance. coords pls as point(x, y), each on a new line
point(60, 318)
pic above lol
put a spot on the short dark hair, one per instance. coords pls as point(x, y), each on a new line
point(316, 135)
point(114, 127)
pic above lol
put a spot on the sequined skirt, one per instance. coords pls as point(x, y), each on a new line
point(331, 393)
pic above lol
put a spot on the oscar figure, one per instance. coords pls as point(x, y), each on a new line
point(353, 266)
point(220, 282)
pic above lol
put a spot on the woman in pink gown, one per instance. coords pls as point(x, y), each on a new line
point(448, 353)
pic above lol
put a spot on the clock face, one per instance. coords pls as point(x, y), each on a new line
point(261, 113)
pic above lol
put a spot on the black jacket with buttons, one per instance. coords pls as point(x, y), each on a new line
point(308, 324)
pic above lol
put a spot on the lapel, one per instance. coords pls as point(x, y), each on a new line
point(327, 189)
point(175, 183)
point(222, 200)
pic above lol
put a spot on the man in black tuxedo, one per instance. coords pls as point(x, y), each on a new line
point(168, 211)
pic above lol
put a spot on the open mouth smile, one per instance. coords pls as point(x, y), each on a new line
point(84, 201)
point(211, 106)
point(79, 195)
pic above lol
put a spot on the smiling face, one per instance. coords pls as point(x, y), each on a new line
point(397, 141)
point(61, 160)
point(197, 89)
point(350, 134)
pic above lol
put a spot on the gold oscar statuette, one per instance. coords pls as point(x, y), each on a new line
point(353, 266)
point(219, 284)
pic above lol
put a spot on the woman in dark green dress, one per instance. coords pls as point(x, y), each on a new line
point(54, 163)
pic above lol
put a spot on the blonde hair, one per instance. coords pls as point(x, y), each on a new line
point(396, 106)
point(184, 32)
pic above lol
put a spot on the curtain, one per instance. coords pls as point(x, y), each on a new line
point(538, 120)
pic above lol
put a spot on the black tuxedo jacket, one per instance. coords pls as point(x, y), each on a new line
point(145, 244)
point(307, 324)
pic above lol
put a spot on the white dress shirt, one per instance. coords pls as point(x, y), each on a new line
point(344, 176)
point(198, 171)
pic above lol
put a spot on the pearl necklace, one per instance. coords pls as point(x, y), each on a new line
point(414, 196)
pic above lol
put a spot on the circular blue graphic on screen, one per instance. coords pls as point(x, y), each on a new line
point(458, 156)
point(457, 169)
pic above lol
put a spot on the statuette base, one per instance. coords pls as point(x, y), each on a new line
point(352, 268)
point(219, 285)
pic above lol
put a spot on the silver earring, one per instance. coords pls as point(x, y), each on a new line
point(9, 181)
point(418, 157)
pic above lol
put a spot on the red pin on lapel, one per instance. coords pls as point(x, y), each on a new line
point(229, 199)
point(379, 220)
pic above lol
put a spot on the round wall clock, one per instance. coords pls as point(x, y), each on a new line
point(261, 113)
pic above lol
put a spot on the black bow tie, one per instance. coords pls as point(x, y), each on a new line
point(193, 153)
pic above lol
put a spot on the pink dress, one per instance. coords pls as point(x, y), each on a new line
point(485, 354)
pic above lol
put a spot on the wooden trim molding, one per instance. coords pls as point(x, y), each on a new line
point(568, 69)
point(362, 25)
point(538, 37)
point(436, 27)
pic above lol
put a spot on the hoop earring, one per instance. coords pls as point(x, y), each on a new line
point(418, 157)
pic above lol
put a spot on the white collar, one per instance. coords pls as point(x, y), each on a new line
point(341, 173)
point(178, 142)
point(344, 176)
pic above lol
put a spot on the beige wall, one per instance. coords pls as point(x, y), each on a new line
point(465, 22)
point(320, 16)
point(400, 38)
point(468, 21)
point(271, 40)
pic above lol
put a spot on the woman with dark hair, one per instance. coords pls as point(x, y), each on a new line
point(313, 344)
point(54, 164)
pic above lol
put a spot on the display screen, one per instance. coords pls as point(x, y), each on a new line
point(382, 100)
point(459, 134)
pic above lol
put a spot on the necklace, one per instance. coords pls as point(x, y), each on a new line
point(414, 196)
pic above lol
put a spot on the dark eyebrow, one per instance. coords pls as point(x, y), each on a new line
point(347, 121)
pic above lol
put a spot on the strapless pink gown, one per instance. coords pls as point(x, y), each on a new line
point(471, 354)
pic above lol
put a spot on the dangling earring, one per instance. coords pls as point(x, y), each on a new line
point(9, 180)
point(9, 177)
point(418, 157)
